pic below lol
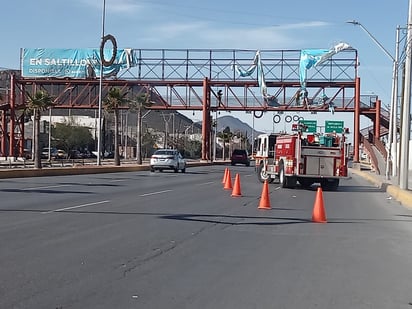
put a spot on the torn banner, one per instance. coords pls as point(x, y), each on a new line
point(313, 57)
point(257, 63)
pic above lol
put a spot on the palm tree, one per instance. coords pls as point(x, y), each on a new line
point(36, 103)
point(142, 102)
point(115, 99)
point(226, 136)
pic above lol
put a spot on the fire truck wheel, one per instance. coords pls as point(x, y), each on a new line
point(281, 175)
point(286, 181)
point(262, 175)
point(330, 185)
point(305, 182)
point(283, 180)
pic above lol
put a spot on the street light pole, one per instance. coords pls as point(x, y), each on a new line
point(215, 139)
point(166, 144)
point(50, 120)
point(139, 136)
point(253, 133)
point(391, 150)
point(405, 133)
point(99, 131)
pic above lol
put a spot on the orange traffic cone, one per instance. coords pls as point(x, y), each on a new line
point(224, 175)
point(264, 198)
point(319, 215)
point(236, 187)
point(228, 181)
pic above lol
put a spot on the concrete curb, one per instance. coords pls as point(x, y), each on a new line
point(402, 196)
point(21, 173)
point(81, 170)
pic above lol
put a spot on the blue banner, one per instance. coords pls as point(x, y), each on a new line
point(308, 59)
point(73, 63)
point(312, 57)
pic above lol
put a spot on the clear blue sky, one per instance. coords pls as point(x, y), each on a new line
point(291, 24)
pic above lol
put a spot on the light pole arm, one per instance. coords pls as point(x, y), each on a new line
point(356, 23)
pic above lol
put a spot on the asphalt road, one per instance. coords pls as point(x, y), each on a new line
point(166, 240)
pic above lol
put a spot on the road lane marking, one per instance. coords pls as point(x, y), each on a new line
point(206, 183)
point(153, 193)
point(74, 207)
point(46, 187)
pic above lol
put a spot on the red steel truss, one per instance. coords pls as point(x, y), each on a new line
point(201, 80)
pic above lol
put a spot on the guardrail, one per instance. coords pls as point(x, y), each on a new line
point(373, 157)
point(107, 167)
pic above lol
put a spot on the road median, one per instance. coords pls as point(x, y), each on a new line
point(80, 170)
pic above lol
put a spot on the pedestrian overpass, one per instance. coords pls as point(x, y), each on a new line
point(208, 81)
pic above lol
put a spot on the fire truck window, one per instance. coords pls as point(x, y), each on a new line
point(272, 142)
point(256, 145)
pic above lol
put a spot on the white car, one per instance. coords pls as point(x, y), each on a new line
point(167, 159)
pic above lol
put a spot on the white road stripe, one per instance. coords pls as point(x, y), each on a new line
point(206, 183)
point(158, 192)
point(74, 207)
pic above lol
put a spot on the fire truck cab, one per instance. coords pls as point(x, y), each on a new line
point(302, 158)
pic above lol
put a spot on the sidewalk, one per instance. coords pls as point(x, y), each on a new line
point(390, 186)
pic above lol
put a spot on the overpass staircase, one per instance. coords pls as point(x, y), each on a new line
point(373, 144)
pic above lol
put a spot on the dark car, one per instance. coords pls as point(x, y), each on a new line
point(240, 156)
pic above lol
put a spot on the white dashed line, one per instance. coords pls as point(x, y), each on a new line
point(154, 193)
point(74, 207)
point(206, 183)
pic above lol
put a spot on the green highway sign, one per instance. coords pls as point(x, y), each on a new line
point(310, 124)
point(333, 126)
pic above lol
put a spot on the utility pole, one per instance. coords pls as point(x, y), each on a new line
point(139, 135)
point(166, 127)
point(392, 156)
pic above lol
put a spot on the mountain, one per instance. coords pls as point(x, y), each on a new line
point(235, 125)
point(159, 120)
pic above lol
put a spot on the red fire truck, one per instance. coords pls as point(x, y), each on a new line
point(302, 157)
